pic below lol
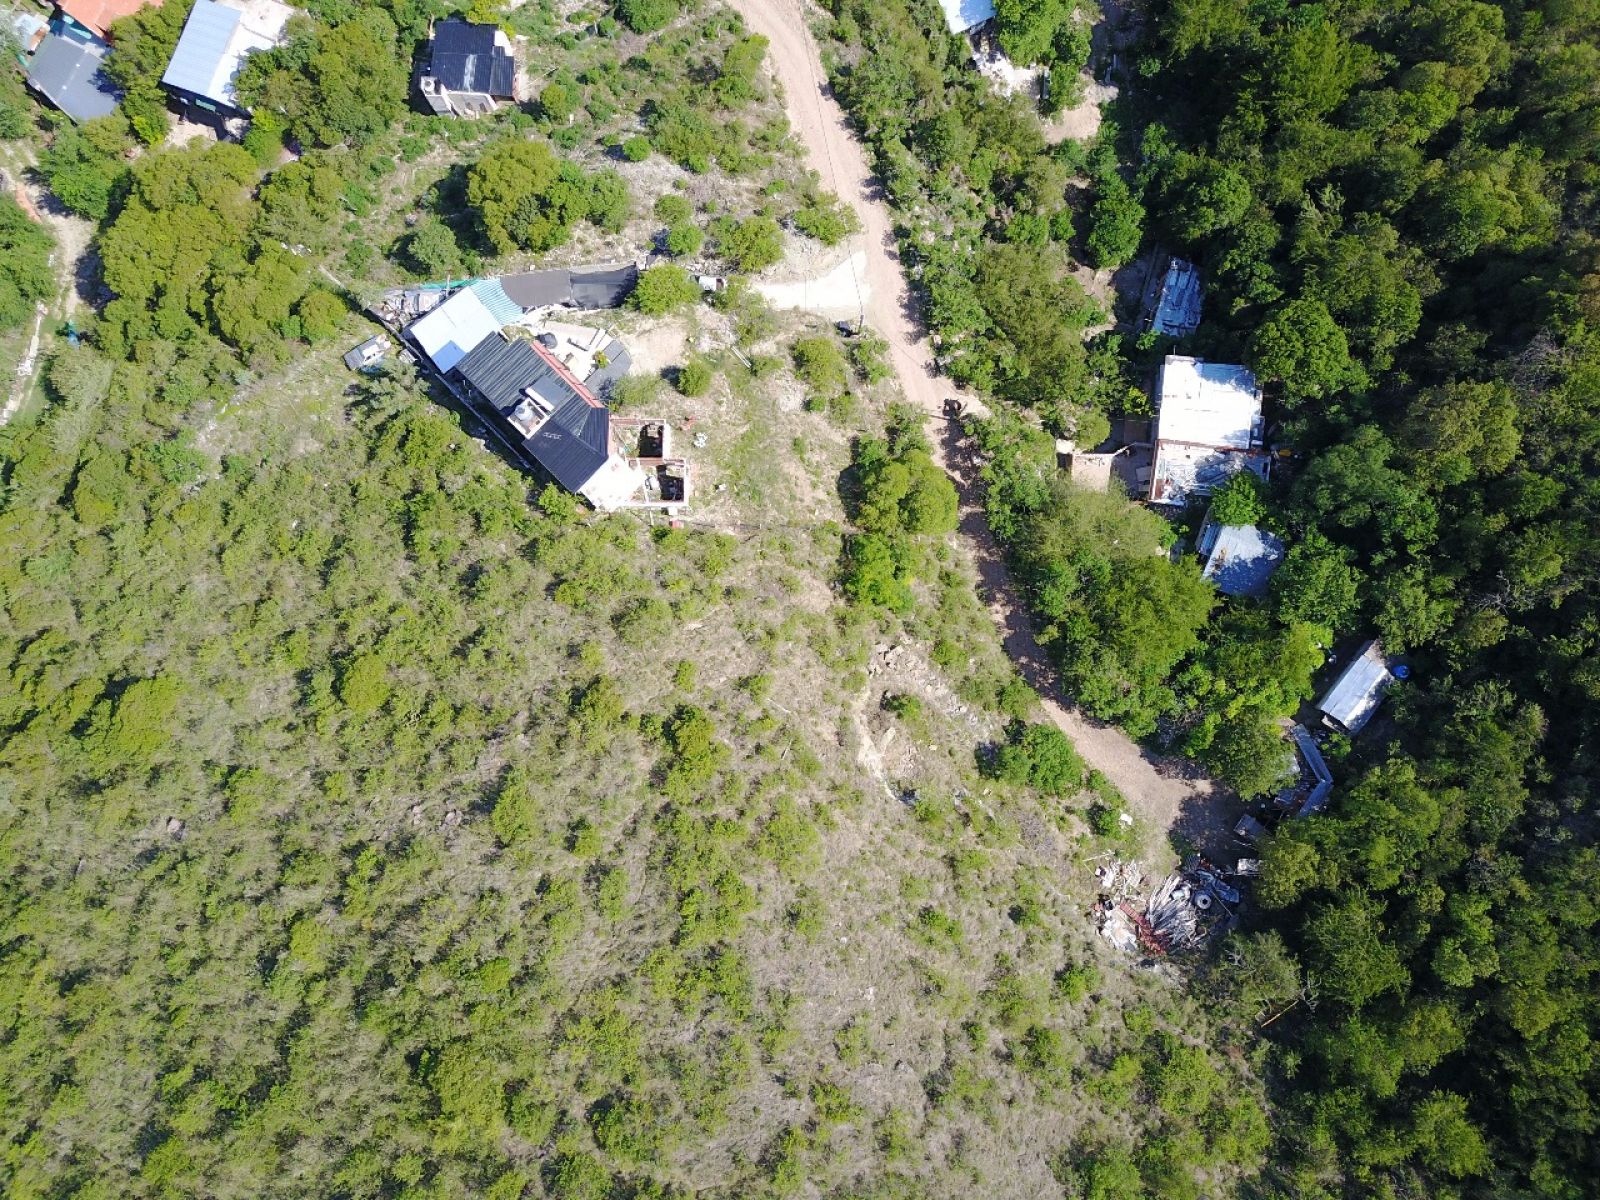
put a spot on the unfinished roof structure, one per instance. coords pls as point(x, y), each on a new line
point(1240, 559)
point(962, 15)
point(1313, 784)
point(469, 68)
point(1177, 312)
point(97, 15)
point(216, 40)
point(1209, 426)
point(66, 71)
point(1356, 694)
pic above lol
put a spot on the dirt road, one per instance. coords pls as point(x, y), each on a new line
point(1165, 794)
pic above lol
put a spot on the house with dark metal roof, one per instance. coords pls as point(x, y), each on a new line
point(469, 69)
point(211, 50)
point(557, 422)
point(66, 71)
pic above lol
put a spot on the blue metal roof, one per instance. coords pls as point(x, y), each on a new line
point(1242, 559)
point(201, 48)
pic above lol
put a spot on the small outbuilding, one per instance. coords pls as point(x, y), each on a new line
point(1240, 559)
point(1356, 694)
point(469, 69)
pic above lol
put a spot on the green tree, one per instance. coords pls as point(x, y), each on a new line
point(1302, 347)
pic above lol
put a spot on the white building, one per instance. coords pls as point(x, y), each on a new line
point(1209, 425)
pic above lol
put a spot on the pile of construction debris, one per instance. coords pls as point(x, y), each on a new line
point(1191, 906)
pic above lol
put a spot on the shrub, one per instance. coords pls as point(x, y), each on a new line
point(636, 148)
point(684, 239)
point(663, 289)
point(1240, 500)
point(647, 16)
point(749, 245)
point(694, 377)
point(819, 364)
point(673, 209)
point(827, 220)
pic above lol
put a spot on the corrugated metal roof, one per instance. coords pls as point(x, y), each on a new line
point(451, 331)
point(1358, 691)
point(1178, 308)
point(503, 307)
point(215, 41)
point(1242, 559)
point(201, 49)
point(467, 57)
point(1208, 404)
point(962, 15)
point(575, 440)
point(66, 72)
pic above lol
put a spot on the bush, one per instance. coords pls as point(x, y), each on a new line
point(1241, 500)
point(694, 377)
point(647, 16)
point(673, 209)
point(820, 365)
point(684, 239)
point(827, 220)
point(636, 148)
point(663, 289)
point(750, 245)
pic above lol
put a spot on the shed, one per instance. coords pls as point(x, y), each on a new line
point(454, 329)
point(97, 15)
point(67, 72)
point(216, 40)
point(1177, 312)
point(962, 15)
point(1209, 425)
point(1356, 694)
point(1240, 559)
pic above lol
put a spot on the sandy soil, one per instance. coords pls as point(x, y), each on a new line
point(839, 293)
point(1167, 795)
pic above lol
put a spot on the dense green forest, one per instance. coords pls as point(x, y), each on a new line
point(1394, 206)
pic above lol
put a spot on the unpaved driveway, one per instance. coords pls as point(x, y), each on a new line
point(1165, 794)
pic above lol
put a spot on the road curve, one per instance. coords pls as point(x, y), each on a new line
point(1165, 794)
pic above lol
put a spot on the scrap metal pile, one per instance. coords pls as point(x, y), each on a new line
point(1189, 907)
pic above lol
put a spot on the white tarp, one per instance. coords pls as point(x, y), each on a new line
point(1208, 404)
point(962, 15)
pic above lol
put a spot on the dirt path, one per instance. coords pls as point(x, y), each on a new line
point(1165, 794)
point(841, 162)
point(73, 236)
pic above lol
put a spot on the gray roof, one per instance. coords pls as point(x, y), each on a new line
point(201, 48)
point(1242, 559)
point(1358, 691)
point(618, 363)
point(574, 443)
point(467, 57)
point(66, 72)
